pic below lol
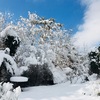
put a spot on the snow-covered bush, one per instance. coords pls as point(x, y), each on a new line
point(8, 93)
point(94, 57)
point(39, 75)
point(8, 67)
point(10, 39)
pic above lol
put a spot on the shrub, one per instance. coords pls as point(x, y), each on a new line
point(94, 63)
point(39, 75)
point(94, 68)
point(8, 67)
point(4, 73)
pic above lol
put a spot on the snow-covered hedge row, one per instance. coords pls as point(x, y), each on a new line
point(8, 93)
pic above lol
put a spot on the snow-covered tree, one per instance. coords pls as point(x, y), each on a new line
point(5, 20)
point(44, 41)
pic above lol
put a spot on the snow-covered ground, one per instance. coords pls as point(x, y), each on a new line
point(63, 91)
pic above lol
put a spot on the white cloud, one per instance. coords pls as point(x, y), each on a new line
point(88, 33)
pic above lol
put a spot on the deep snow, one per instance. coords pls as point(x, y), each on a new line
point(63, 91)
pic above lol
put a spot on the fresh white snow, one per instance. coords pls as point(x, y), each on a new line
point(9, 31)
point(63, 91)
point(19, 79)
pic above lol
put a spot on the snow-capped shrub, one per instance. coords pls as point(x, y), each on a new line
point(39, 75)
point(4, 73)
point(26, 55)
point(8, 67)
point(8, 93)
point(11, 43)
point(94, 57)
point(94, 68)
point(10, 39)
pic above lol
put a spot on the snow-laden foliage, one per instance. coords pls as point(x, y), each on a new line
point(9, 62)
point(44, 41)
point(8, 93)
point(5, 20)
point(10, 39)
point(8, 66)
point(94, 57)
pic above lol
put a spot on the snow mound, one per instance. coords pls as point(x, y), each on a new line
point(59, 75)
point(92, 88)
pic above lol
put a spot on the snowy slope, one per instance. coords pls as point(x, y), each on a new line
point(58, 92)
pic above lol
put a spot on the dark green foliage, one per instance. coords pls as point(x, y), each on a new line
point(98, 94)
point(93, 55)
point(12, 43)
point(94, 62)
point(39, 75)
point(21, 84)
point(94, 68)
point(4, 73)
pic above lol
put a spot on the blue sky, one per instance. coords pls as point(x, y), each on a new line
point(67, 12)
point(83, 16)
